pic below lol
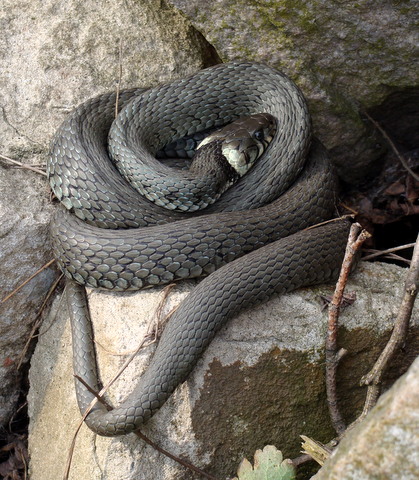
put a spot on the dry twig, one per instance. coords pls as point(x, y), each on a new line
point(393, 147)
point(333, 355)
point(379, 253)
point(23, 165)
point(182, 462)
point(336, 219)
point(143, 437)
point(374, 377)
point(37, 321)
point(393, 256)
point(27, 280)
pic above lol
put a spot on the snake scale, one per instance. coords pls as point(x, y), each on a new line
point(248, 245)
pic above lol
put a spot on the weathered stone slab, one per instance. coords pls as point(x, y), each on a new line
point(260, 382)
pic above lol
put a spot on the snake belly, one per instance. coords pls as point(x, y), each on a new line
point(249, 244)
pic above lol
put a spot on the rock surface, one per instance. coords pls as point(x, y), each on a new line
point(53, 57)
point(346, 56)
point(24, 217)
point(260, 382)
point(386, 445)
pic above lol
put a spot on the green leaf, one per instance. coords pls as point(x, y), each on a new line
point(269, 465)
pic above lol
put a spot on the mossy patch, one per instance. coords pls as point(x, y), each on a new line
point(242, 408)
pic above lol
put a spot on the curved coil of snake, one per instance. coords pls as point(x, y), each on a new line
point(122, 235)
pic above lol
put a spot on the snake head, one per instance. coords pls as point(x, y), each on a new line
point(245, 140)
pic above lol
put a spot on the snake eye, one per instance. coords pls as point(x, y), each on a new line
point(259, 135)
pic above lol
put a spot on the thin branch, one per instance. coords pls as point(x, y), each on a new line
point(182, 462)
point(393, 147)
point(378, 253)
point(72, 447)
point(15, 413)
point(374, 378)
point(24, 463)
point(27, 280)
point(350, 209)
point(150, 337)
point(393, 256)
point(333, 355)
point(371, 398)
point(37, 321)
point(139, 434)
point(332, 220)
point(99, 398)
point(146, 341)
point(23, 165)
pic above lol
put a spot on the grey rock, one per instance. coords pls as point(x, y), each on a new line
point(385, 446)
point(24, 218)
point(260, 381)
point(345, 56)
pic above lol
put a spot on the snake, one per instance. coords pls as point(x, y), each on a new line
point(259, 238)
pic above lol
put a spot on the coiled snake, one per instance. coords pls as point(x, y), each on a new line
point(117, 239)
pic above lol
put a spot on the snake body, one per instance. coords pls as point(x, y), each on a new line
point(119, 240)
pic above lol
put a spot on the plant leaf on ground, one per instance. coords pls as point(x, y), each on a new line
point(269, 464)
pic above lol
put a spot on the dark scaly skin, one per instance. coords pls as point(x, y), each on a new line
point(295, 261)
point(132, 259)
point(78, 151)
point(165, 253)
